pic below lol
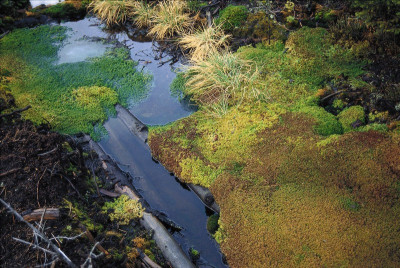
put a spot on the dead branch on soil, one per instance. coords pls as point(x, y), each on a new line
point(88, 262)
point(43, 243)
point(43, 213)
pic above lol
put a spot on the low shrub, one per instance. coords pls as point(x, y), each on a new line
point(212, 223)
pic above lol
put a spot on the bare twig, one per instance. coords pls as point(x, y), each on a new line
point(4, 34)
point(11, 171)
point(56, 249)
point(91, 256)
point(68, 238)
point(49, 152)
point(34, 246)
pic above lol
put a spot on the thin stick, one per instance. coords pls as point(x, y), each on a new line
point(34, 246)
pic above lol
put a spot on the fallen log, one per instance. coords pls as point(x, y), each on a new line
point(168, 246)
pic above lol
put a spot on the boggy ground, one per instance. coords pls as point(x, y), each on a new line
point(288, 196)
point(43, 169)
point(298, 139)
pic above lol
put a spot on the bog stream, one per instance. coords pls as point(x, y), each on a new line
point(162, 191)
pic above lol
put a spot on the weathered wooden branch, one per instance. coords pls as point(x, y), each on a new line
point(147, 260)
point(109, 193)
point(46, 213)
point(92, 240)
point(209, 19)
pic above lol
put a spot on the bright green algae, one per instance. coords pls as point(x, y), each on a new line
point(30, 55)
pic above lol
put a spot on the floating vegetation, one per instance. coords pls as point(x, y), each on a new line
point(72, 97)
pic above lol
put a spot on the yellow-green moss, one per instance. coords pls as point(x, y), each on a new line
point(123, 209)
point(351, 115)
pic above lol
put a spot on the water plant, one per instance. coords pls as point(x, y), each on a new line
point(170, 18)
point(71, 97)
point(123, 209)
point(205, 42)
point(212, 223)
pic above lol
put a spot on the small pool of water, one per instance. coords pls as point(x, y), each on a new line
point(80, 50)
point(159, 107)
point(161, 190)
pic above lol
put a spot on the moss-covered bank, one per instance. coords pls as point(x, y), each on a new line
point(298, 184)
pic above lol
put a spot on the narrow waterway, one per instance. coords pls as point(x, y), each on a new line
point(158, 187)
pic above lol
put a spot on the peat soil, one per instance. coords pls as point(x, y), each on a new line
point(43, 169)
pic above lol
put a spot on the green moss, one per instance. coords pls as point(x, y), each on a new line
point(260, 26)
point(232, 17)
point(123, 210)
point(212, 223)
point(150, 255)
point(64, 11)
point(199, 173)
point(326, 123)
point(373, 127)
point(86, 91)
point(196, 5)
point(67, 146)
point(81, 215)
point(338, 104)
point(350, 115)
point(194, 254)
point(349, 204)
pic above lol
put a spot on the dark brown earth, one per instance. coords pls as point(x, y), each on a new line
point(41, 169)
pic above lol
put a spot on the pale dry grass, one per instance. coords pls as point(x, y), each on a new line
point(112, 11)
point(170, 18)
point(143, 14)
point(223, 80)
point(205, 42)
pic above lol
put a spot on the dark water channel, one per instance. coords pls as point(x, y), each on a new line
point(160, 189)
